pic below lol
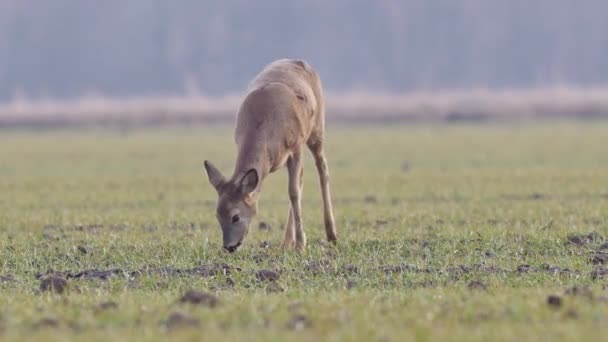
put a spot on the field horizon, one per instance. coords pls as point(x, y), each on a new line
point(356, 106)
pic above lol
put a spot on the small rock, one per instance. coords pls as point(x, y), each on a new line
point(554, 301)
point(200, 298)
point(53, 284)
point(267, 275)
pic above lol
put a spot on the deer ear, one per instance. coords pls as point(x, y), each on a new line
point(215, 176)
point(249, 182)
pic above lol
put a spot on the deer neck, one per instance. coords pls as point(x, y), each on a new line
point(252, 154)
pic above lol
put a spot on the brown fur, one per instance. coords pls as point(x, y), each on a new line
point(282, 112)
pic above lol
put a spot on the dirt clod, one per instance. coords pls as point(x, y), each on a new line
point(391, 269)
point(7, 278)
point(295, 307)
point(370, 199)
point(321, 266)
point(267, 275)
point(95, 274)
point(556, 270)
point(260, 258)
point(554, 301)
point(584, 239)
point(229, 282)
point(579, 291)
point(199, 298)
point(380, 223)
point(53, 284)
point(264, 226)
point(525, 269)
point(275, 287)
point(46, 323)
point(599, 258)
point(202, 271)
point(110, 305)
point(349, 269)
point(537, 196)
point(298, 322)
point(179, 320)
point(576, 240)
point(477, 285)
point(571, 313)
point(599, 273)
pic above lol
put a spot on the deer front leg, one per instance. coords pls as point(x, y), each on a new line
point(295, 170)
point(289, 239)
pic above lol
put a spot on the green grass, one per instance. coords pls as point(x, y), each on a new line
point(457, 204)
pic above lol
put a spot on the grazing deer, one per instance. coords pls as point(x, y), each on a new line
point(282, 111)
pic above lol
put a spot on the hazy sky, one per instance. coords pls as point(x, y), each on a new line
point(65, 48)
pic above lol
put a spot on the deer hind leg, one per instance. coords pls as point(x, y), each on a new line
point(316, 148)
point(295, 170)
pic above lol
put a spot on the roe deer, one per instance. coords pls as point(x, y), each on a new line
point(282, 111)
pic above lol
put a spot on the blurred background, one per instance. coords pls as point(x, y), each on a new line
point(85, 61)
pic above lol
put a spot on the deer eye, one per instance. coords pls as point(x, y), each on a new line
point(235, 218)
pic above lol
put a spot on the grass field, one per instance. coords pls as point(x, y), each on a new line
point(447, 232)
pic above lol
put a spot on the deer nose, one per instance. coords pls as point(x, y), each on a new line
point(232, 249)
